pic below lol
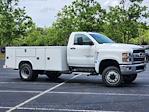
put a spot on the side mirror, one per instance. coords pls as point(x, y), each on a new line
point(91, 43)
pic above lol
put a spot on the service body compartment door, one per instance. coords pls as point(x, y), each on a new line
point(25, 52)
point(56, 59)
point(40, 59)
point(10, 61)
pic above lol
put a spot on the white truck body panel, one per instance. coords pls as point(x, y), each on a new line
point(50, 58)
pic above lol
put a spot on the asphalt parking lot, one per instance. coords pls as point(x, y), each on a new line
point(71, 93)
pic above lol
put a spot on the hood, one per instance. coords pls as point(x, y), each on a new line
point(119, 46)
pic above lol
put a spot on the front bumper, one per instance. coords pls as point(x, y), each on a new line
point(132, 69)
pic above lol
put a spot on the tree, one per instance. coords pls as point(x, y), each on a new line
point(125, 20)
point(35, 37)
point(81, 15)
point(14, 23)
point(144, 38)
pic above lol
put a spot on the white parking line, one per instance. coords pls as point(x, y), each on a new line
point(4, 73)
point(16, 91)
point(7, 77)
point(40, 94)
point(5, 107)
point(77, 93)
point(144, 86)
point(47, 83)
point(44, 83)
point(147, 78)
point(61, 110)
point(104, 94)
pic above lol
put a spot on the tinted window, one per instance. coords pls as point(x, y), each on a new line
point(81, 39)
point(101, 38)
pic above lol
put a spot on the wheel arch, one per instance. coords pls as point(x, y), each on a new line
point(24, 62)
point(106, 63)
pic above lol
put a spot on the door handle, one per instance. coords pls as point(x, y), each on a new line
point(89, 56)
point(73, 48)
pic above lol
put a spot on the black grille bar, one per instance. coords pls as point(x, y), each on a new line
point(139, 51)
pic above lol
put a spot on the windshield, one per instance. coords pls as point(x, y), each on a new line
point(101, 38)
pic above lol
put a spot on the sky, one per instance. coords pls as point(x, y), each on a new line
point(44, 12)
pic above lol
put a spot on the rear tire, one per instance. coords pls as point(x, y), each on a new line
point(129, 78)
point(112, 77)
point(26, 73)
point(53, 75)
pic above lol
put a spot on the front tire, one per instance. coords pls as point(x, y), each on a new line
point(129, 78)
point(26, 73)
point(112, 77)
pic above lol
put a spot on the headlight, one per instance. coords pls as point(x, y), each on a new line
point(126, 57)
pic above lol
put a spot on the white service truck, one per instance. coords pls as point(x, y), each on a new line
point(88, 52)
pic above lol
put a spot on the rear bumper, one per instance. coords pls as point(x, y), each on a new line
point(132, 69)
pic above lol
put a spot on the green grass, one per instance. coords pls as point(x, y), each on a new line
point(2, 56)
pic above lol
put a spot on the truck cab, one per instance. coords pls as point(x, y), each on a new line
point(116, 62)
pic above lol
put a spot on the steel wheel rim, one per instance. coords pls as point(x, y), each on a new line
point(25, 72)
point(112, 77)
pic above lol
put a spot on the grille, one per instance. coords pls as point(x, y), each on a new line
point(139, 55)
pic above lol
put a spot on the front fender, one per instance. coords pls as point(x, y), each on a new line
point(99, 60)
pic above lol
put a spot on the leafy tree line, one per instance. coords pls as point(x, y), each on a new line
point(126, 22)
point(14, 23)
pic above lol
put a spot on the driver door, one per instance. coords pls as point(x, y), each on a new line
point(81, 53)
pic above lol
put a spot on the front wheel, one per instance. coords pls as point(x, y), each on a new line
point(129, 78)
point(112, 77)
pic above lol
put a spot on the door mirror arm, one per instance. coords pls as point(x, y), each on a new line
point(91, 43)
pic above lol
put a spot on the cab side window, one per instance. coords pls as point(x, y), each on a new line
point(81, 39)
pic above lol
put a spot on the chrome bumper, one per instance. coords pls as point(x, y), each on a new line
point(132, 69)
